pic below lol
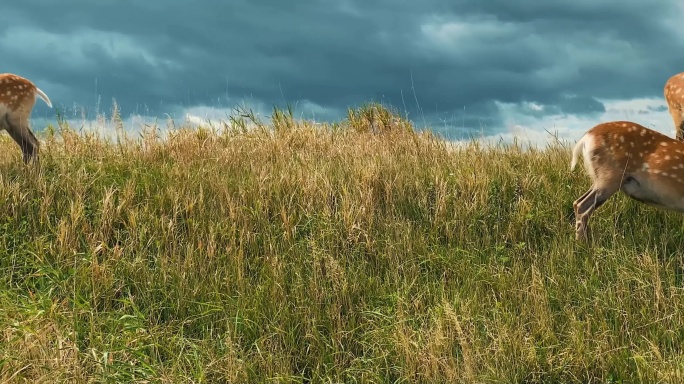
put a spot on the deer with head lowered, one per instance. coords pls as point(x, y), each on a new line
point(646, 165)
point(674, 96)
point(17, 98)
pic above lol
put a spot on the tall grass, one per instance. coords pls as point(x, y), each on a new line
point(356, 252)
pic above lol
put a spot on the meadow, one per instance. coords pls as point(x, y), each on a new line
point(282, 251)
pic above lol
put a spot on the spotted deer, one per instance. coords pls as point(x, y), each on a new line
point(646, 165)
point(17, 98)
point(674, 96)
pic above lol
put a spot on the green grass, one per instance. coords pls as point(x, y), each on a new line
point(357, 252)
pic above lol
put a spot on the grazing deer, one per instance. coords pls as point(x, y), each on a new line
point(620, 155)
point(17, 98)
point(674, 96)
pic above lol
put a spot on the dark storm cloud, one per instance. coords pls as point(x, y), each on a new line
point(443, 62)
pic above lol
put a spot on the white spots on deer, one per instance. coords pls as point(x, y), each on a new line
point(17, 98)
point(648, 171)
point(674, 97)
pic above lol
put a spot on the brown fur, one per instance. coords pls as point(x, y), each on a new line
point(621, 155)
point(17, 98)
point(674, 96)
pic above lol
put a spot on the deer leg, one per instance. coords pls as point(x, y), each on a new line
point(585, 206)
point(19, 131)
point(584, 196)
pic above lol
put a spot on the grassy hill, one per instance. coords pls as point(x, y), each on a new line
point(357, 252)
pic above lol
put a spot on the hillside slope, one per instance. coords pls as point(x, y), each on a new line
point(359, 252)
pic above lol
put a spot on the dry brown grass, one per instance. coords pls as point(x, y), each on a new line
point(298, 252)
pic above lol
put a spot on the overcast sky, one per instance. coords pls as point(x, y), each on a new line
point(459, 67)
